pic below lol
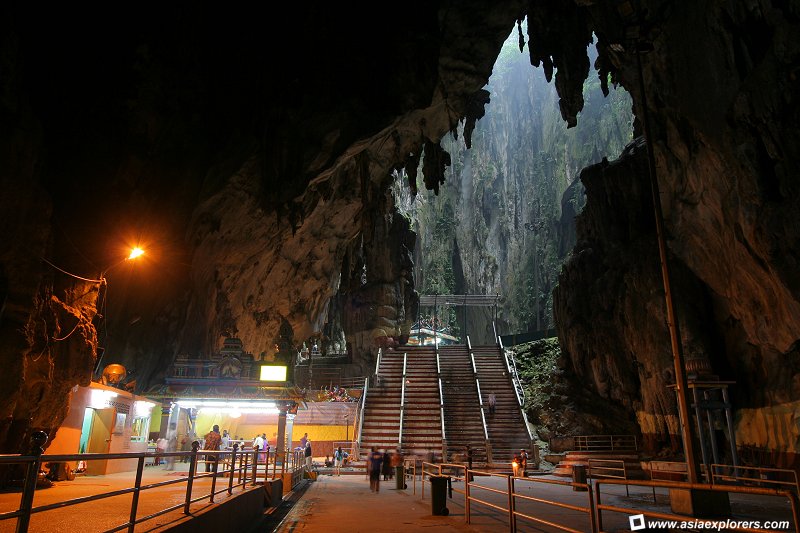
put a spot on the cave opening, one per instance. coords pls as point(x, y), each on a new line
point(504, 221)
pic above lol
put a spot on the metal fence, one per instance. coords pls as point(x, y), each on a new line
point(241, 467)
point(510, 504)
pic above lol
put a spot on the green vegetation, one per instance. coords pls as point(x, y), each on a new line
point(496, 225)
point(537, 364)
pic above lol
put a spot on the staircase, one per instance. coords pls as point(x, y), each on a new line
point(462, 412)
point(508, 432)
point(419, 416)
point(422, 420)
point(381, 424)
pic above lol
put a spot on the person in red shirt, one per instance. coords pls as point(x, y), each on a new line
point(212, 442)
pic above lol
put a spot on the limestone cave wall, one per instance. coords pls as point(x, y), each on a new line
point(251, 153)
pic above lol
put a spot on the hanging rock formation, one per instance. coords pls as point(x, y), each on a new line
point(254, 152)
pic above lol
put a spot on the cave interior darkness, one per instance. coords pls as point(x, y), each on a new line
point(251, 152)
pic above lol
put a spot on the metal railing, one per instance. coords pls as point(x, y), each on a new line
point(583, 487)
point(361, 417)
point(511, 366)
point(402, 400)
point(480, 395)
point(608, 469)
point(755, 475)
point(441, 403)
point(240, 466)
point(732, 526)
point(587, 443)
point(594, 507)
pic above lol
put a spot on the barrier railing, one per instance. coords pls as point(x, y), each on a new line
point(585, 487)
point(238, 476)
point(755, 475)
point(605, 443)
point(608, 469)
point(594, 507)
point(732, 525)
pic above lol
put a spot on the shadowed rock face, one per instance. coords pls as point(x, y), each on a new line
point(252, 155)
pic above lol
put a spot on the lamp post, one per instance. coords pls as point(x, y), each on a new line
point(101, 298)
point(681, 383)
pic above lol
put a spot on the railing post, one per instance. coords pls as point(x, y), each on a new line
point(592, 509)
point(232, 468)
point(255, 464)
point(243, 468)
point(38, 440)
point(190, 479)
point(466, 495)
point(599, 523)
point(135, 500)
point(512, 517)
point(214, 468)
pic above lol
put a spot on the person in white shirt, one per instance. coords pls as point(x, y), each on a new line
point(259, 441)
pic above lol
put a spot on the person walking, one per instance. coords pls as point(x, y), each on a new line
point(492, 403)
point(374, 462)
point(523, 463)
point(308, 456)
point(258, 442)
point(386, 466)
point(172, 446)
point(212, 442)
point(338, 459)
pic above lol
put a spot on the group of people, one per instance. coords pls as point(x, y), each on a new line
point(340, 458)
point(520, 464)
point(382, 463)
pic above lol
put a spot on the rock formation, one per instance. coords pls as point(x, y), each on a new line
point(254, 152)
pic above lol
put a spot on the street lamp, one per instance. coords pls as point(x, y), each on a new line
point(136, 252)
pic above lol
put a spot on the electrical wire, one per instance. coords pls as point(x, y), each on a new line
point(101, 280)
point(68, 334)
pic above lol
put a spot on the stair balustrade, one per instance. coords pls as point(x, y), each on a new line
point(360, 414)
point(402, 400)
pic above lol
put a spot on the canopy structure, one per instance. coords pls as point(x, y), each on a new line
point(460, 300)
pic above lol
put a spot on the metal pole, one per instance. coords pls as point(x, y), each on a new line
point(190, 479)
point(681, 384)
point(710, 419)
point(731, 434)
point(135, 500)
point(703, 446)
point(38, 440)
point(512, 517)
point(232, 468)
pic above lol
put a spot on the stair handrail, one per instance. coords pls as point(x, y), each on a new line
point(402, 400)
point(441, 393)
point(378, 361)
point(478, 388)
point(511, 365)
point(518, 390)
point(361, 416)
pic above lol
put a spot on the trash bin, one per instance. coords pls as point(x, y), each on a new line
point(439, 495)
point(400, 477)
point(579, 476)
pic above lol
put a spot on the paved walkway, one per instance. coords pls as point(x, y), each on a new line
point(346, 504)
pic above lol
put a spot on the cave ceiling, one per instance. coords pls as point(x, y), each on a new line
point(251, 152)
